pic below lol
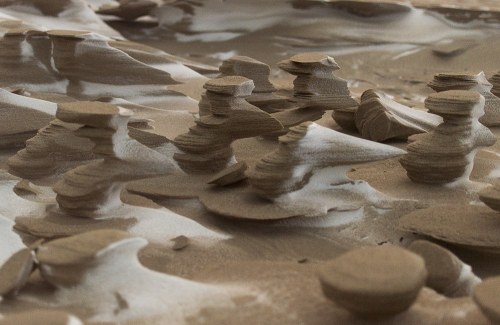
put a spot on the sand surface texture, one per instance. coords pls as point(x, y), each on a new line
point(249, 162)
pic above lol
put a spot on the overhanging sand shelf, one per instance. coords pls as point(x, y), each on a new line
point(169, 231)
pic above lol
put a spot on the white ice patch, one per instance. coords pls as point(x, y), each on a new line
point(178, 71)
point(120, 289)
point(13, 206)
point(10, 242)
point(6, 97)
point(207, 37)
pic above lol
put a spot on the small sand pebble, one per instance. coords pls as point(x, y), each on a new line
point(15, 272)
point(487, 297)
point(378, 281)
point(180, 242)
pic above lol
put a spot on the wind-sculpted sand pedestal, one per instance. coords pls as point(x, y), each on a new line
point(446, 154)
point(207, 146)
point(92, 189)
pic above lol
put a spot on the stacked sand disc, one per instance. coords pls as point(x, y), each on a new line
point(309, 147)
point(446, 154)
point(495, 81)
point(373, 282)
point(206, 148)
point(65, 262)
point(263, 94)
point(473, 82)
point(316, 84)
point(92, 189)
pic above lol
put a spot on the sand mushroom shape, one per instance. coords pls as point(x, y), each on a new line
point(206, 148)
point(93, 189)
point(380, 118)
point(315, 88)
point(447, 274)
point(105, 263)
point(315, 84)
point(374, 282)
point(263, 94)
point(472, 82)
point(486, 296)
point(446, 154)
point(309, 147)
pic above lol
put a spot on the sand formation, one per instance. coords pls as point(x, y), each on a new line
point(91, 189)
point(487, 298)
point(495, 82)
point(472, 225)
point(316, 84)
point(206, 147)
point(472, 82)
point(446, 154)
point(380, 118)
point(263, 94)
point(447, 274)
point(309, 147)
point(128, 9)
point(78, 64)
point(22, 117)
point(374, 281)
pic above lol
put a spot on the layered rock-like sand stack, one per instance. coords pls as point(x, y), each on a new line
point(89, 190)
point(48, 151)
point(472, 82)
point(316, 84)
point(22, 117)
point(263, 94)
point(380, 118)
point(309, 147)
point(495, 81)
point(206, 147)
point(446, 154)
point(377, 281)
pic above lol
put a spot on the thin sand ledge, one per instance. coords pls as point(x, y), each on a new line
point(249, 162)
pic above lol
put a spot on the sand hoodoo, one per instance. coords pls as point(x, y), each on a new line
point(446, 154)
point(446, 273)
point(315, 84)
point(380, 118)
point(376, 281)
point(206, 147)
point(309, 147)
point(487, 298)
point(91, 189)
point(263, 95)
point(472, 82)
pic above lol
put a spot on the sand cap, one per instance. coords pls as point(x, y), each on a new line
point(374, 281)
point(487, 297)
point(446, 273)
point(15, 272)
